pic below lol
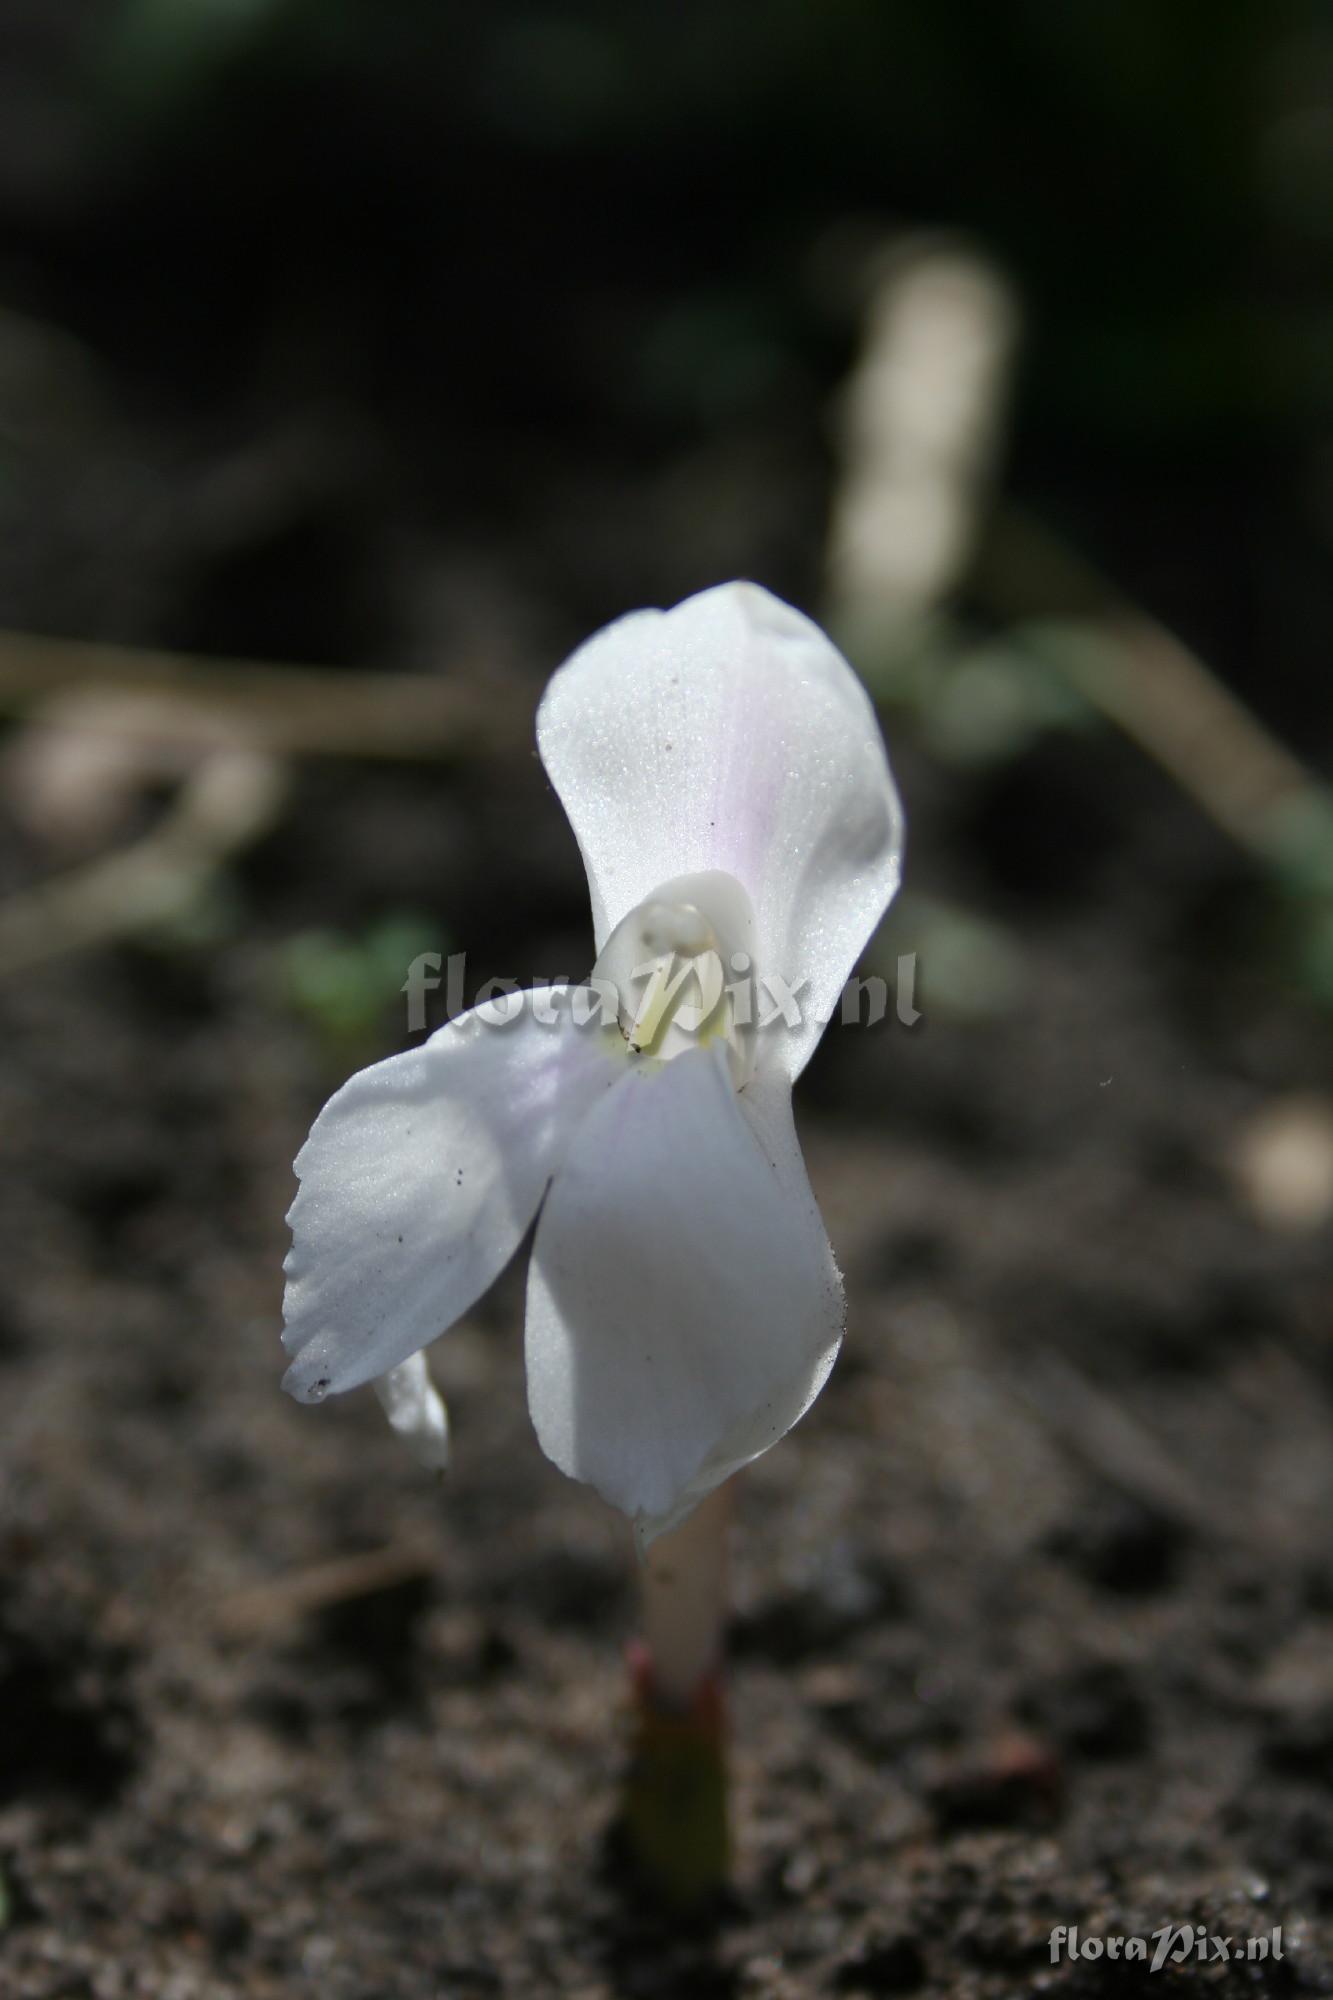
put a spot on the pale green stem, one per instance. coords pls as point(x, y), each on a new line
point(685, 1600)
point(675, 1807)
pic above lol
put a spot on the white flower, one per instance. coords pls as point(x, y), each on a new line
point(728, 786)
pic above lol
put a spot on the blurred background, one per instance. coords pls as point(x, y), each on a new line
point(355, 362)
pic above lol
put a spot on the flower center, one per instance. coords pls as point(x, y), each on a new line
point(682, 967)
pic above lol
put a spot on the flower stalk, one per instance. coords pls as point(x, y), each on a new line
point(675, 1808)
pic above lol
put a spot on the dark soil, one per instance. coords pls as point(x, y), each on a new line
point(1034, 1612)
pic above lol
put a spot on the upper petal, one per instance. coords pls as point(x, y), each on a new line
point(684, 1308)
point(417, 1182)
point(729, 733)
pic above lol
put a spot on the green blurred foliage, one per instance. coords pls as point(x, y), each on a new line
point(1301, 845)
point(991, 701)
point(968, 968)
point(343, 986)
point(155, 56)
point(1301, 841)
point(980, 699)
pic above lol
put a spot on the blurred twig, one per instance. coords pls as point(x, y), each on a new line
point(1152, 686)
point(233, 723)
point(920, 424)
point(912, 519)
point(1096, 1427)
point(230, 799)
point(293, 711)
point(267, 1607)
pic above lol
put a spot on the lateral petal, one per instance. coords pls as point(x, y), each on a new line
point(418, 1181)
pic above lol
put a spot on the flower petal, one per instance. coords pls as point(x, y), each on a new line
point(416, 1412)
point(684, 1308)
point(730, 734)
point(417, 1183)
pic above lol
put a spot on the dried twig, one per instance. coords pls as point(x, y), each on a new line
point(912, 520)
point(1152, 686)
point(291, 711)
point(232, 721)
point(921, 421)
point(1095, 1426)
point(266, 1607)
point(227, 801)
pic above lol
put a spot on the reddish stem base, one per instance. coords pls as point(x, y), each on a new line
point(675, 1814)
